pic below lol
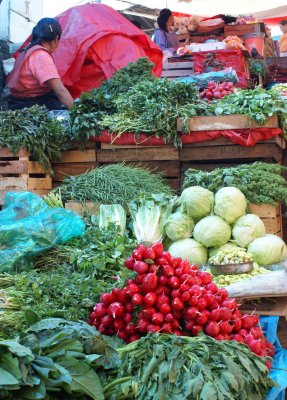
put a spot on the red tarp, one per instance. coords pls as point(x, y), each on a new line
point(96, 42)
point(243, 137)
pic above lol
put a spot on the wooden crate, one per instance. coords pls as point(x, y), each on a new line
point(241, 30)
point(267, 306)
point(74, 162)
point(175, 69)
point(21, 173)
point(88, 207)
point(270, 215)
point(137, 154)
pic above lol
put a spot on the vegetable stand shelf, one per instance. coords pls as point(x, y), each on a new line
point(21, 173)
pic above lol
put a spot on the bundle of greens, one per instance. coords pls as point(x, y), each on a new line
point(55, 359)
point(168, 367)
point(151, 107)
point(91, 107)
point(68, 281)
point(32, 128)
point(260, 182)
point(113, 184)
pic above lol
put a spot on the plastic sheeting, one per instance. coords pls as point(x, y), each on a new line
point(96, 42)
point(243, 137)
point(28, 227)
point(278, 371)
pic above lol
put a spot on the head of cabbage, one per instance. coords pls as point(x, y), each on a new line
point(229, 246)
point(196, 201)
point(189, 249)
point(212, 231)
point(247, 228)
point(230, 204)
point(179, 226)
point(268, 249)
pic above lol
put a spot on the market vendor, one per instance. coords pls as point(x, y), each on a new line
point(283, 38)
point(34, 78)
point(163, 37)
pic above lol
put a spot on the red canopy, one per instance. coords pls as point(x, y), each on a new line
point(96, 42)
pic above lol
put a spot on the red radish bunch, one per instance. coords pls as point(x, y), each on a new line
point(217, 90)
point(171, 296)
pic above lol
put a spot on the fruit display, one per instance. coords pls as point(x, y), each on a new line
point(217, 90)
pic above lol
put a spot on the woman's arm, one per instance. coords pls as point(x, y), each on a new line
point(62, 93)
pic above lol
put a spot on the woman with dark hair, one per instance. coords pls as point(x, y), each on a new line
point(34, 78)
point(283, 38)
point(163, 37)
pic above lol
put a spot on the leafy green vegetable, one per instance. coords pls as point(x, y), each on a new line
point(112, 214)
point(33, 129)
point(212, 231)
point(260, 182)
point(230, 204)
point(167, 367)
point(268, 249)
point(179, 226)
point(189, 249)
point(113, 184)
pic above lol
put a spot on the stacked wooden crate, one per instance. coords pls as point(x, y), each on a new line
point(21, 173)
point(270, 215)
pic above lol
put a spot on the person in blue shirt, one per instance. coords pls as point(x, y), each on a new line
point(163, 37)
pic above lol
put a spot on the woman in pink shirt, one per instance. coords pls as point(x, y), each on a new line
point(34, 78)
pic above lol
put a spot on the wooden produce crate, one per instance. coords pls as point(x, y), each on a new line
point(164, 159)
point(241, 30)
point(266, 306)
point(74, 162)
point(21, 173)
point(179, 68)
point(270, 215)
point(88, 207)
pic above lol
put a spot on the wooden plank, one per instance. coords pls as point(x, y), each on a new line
point(13, 167)
point(226, 122)
point(77, 156)
point(178, 65)
point(13, 183)
point(177, 73)
point(34, 167)
point(5, 153)
point(62, 171)
point(279, 140)
point(272, 225)
point(267, 306)
point(259, 151)
point(265, 210)
point(40, 183)
point(143, 154)
point(88, 207)
point(107, 146)
point(174, 183)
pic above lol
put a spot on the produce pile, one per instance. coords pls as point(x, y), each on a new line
point(217, 90)
point(169, 295)
point(228, 279)
point(260, 182)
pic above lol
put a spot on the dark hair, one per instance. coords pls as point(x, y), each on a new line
point(163, 17)
point(46, 30)
point(283, 22)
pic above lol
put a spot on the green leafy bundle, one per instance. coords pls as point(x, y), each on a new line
point(33, 129)
point(91, 107)
point(168, 367)
point(260, 182)
point(55, 359)
point(70, 280)
point(113, 184)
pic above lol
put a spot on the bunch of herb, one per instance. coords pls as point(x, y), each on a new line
point(113, 184)
point(260, 182)
point(168, 367)
point(32, 128)
point(89, 110)
point(55, 359)
point(259, 104)
point(151, 107)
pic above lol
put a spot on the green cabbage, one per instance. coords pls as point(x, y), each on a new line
point(189, 249)
point(112, 214)
point(212, 231)
point(196, 202)
point(247, 228)
point(229, 246)
point(230, 204)
point(269, 249)
point(179, 226)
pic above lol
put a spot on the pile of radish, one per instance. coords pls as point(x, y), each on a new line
point(217, 90)
point(169, 295)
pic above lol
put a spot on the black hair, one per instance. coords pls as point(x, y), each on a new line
point(46, 30)
point(163, 17)
point(283, 22)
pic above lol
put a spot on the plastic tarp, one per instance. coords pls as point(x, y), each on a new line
point(278, 371)
point(28, 227)
point(243, 137)
point(96, 42)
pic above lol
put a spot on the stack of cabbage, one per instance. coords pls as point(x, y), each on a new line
point(219, 222)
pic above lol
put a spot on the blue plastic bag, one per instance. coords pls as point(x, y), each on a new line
point(279, 365)
point(28, 227)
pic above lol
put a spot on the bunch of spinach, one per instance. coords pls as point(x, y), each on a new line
point(168, 367)
point(32, 128)
point(55, 359)
point(260, 182)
